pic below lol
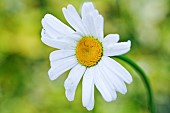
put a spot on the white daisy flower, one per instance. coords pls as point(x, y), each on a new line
point(85, 52)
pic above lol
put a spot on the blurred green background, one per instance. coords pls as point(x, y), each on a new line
point(24, 59)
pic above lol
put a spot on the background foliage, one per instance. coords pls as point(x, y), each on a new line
point(24, 83)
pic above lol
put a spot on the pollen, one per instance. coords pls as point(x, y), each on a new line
point(89, 51)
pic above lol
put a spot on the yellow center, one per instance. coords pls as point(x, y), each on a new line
point(89, 51)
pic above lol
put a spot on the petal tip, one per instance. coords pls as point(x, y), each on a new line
point(47, 15)
point(51, 75)
point(130, 81)
point(89, 108)
point(109, 100)
point(64, 9)
point(70, 6)
point(124, 92)
point(88, 3)
point(129, 43)
point(70, 98)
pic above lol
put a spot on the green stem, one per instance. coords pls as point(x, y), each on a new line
point(144, 78)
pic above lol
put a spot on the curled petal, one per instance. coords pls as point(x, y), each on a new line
point(117, 49)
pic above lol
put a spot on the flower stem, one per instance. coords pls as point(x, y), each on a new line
point(144, 78)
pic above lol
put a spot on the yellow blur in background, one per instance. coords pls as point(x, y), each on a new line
point(24, 59)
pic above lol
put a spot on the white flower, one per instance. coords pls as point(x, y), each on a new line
point(86, 52)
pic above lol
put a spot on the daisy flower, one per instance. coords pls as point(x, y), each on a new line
point(85, 52)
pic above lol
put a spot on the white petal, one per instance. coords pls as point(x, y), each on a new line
point(88, 16)
point(87, 8)
point(59, 44)
point(101, 86)
point(109, 83)
point(117, 69)
point(116, 81)
point(60, 66)
point(110, 39)
point(72, 81)
point(60, 54)
point(88, 88)
point(99, 26)
point(90, 106)
point(54, 27)
point(117, 49)
point(63, 61)
point(90, 24)
point(94, 24)
point(74, 36)
point(92, 20)
point(74, 19)
point(56, 43)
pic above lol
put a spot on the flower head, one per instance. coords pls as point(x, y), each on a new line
point(85, 51)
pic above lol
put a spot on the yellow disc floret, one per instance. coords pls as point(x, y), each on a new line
point(89, 51)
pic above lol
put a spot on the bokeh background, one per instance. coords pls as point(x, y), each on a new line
point(24, 59)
